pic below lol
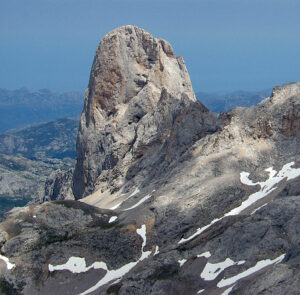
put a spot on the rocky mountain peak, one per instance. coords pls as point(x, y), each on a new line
point(132, 76)
point(285, 92)
point(128, 61)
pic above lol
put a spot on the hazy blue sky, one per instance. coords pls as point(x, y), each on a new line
point(226, 44)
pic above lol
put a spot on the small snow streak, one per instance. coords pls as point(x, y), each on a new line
point(112, 219)
point(205, 254)
point(139, 202)
point(257, 209)
point(258, 266)
point(78, 265)
point(266, 187)
point(212, 270)
point(116, 206)
point(199, 231)
point(8, 264)
point(227, 291)
point(156, 250)
point(136, 191)
point(182, 262)
point(112, 275)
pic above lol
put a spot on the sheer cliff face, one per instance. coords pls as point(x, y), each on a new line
point(130, 71)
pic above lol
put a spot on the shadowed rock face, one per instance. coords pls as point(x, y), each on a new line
point(133, 77)
point(188, 203)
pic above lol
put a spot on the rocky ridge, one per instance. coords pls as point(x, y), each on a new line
point(188, 202)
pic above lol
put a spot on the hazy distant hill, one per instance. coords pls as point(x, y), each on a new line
point(55, 139)
point(22, 178)
point(218, 101)
point(22, 107)
point(29, 155)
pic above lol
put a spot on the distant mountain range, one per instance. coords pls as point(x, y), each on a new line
point(29, 155)
point(22, 179)
point(30, 150)
point(225, 101)
point(22, 107)
point(55, 139)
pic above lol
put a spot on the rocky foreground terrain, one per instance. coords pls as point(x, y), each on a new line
point(170, 197)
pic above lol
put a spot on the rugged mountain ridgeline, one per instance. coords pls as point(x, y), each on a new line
point(51, 145)
point(173, 199)
point(28, 156)
point(23, 107)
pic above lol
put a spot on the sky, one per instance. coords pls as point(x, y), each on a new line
point(227, 45)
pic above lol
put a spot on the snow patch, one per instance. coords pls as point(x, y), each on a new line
point(139, 202)
point(200, 291)
point(212, 270)
point(136, 191)
point(115, 207)
point(205, 254)
point(227, 291)
point(112, 275)
point(258, 208)
point(156, 250)
point(182, 262)
point(8, 264)
point(77, 265)
point(266, 187)
point(258, 266)
point(112, 219)
point(199, 231)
